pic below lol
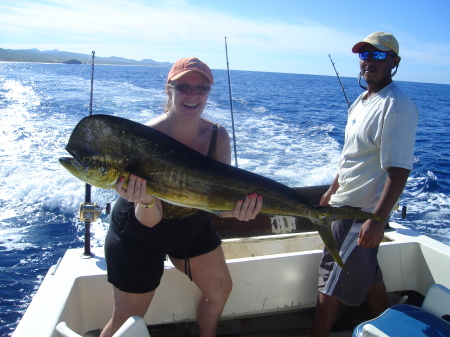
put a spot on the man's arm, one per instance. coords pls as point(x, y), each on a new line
point(331, 190)
point(372, 231)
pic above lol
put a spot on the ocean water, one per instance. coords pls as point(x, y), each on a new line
point(288, 127)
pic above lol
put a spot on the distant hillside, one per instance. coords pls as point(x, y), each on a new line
point(56, 56)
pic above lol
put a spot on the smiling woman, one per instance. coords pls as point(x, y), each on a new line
point(145, 224)
point(181, 97)
point(187, 74)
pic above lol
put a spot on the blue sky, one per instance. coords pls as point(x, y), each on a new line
point(292, 36)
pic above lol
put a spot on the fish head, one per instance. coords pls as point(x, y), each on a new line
point(94, 171)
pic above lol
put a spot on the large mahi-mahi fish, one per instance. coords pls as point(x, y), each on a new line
point(105, 148)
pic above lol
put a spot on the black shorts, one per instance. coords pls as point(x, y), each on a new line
point(135, 253)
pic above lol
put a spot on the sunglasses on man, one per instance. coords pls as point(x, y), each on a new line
point(376, 55)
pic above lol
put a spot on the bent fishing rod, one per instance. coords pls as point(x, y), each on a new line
point(231, 104)
point(342, 86)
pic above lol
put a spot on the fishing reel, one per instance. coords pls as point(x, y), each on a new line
point(90, 211)
point(403, 210)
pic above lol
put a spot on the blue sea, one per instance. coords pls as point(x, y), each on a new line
point(288, 127)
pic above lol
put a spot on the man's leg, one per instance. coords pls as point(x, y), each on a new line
point(327, 310)
point(377, 299)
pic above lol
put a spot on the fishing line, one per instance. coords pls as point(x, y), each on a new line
point(86, 64)
point(268, 69)
point(270, 11)
point(74, 79)
point(282, 4)
point(231, 105)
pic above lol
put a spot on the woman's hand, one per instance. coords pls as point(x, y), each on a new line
point(246, 209)
point(136, 190)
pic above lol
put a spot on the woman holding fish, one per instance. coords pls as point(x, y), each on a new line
point(144, 229)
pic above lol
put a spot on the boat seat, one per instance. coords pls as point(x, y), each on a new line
point(431, 319)
point(133, 327)
point(437, 301)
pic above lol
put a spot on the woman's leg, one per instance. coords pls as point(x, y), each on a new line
point(210, 273)
point(126, 305)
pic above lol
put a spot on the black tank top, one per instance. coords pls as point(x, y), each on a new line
point(171, 211)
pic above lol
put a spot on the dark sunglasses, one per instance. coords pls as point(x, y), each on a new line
point(376, 55)
point(186, 88)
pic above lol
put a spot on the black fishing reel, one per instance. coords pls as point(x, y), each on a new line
point(90, 211)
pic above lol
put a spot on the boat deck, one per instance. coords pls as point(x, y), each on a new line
point(296, 323)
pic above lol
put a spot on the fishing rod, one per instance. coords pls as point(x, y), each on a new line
point(342, 86)
point(90, 211)
point(231, 104)
point(92, 83)
point(86, 211)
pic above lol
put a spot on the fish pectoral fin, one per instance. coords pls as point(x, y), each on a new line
point(139, 173)
point(216, 212)
point(324, 228)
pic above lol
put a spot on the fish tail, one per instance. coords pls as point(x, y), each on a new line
point(330, 214)
point(323, 226)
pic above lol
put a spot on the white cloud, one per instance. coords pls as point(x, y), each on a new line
point(179, 26)
point(167, 30)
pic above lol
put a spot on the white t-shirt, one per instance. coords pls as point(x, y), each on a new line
point(380, 133)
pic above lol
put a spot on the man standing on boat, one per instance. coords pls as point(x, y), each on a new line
point(376, 160)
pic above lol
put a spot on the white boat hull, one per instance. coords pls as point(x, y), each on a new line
point(270, 274)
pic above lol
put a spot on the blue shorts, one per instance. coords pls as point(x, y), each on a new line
point(361, 264)
point(135, 253)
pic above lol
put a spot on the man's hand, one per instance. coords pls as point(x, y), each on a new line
point(371, 234)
